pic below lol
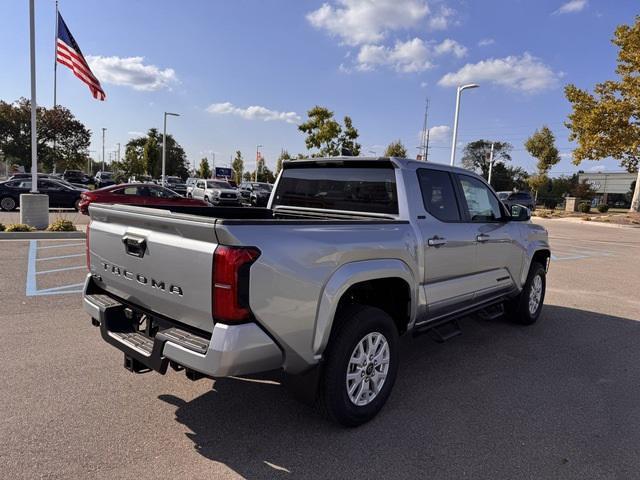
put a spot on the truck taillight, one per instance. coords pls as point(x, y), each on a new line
point(88, 252)
point(230, 289)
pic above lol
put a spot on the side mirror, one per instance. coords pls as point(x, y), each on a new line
point(520, 213)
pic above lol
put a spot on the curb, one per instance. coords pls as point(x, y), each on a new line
point(40, 235)
point(579, 221)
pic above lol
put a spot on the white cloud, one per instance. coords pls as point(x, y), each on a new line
point(440, 133)
point(358, 22)
point(424, 84)
point(135, 133)
point(411, 56)
point(597, 168)
point(131, 72)
point(442, 19)
point(450, 46)
point(254, 112)
point(485, 42)
point(571, 6)
point(525, 73)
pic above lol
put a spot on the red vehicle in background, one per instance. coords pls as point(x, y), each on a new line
point(139, 194)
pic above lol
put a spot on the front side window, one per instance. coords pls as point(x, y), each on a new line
point(438, 194)
point(482, 204)
point(162, 193)
point(364, 189)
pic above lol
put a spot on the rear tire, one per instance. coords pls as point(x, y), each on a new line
point(361, 365)
point(8, 204)
point(527, 306)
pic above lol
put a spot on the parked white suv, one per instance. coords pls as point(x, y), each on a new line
point(215, 192)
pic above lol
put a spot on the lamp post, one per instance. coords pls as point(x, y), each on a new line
point(490, 163)
point(164, 145)
point(103, 130)
point(461, 88)
point(255, 178)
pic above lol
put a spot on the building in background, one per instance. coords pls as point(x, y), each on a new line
point(612, 188)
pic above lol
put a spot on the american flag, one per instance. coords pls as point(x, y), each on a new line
point(68, 53)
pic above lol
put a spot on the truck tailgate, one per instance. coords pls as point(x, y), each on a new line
point(155, 259)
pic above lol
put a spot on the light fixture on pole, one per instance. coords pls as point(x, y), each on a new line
point(164, 145)
point(461, 88)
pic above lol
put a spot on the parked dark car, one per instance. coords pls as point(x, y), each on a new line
point(27, 176)
point(140, 194)
point(77, 177)
point(517, 198)
point(61, 194)
point(255, 193)
point(176, 184)
point(104, 179)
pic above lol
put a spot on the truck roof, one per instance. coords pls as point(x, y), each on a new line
point(397, 162)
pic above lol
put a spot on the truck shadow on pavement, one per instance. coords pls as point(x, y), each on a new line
point(559, 399)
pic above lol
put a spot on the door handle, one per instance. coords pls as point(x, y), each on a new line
point(436, 241)
point(483, 237)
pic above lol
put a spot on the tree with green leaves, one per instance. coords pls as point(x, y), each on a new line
point(507, 178)
point(326, 134)
point(284, 155)
point(247, 177)
point(204, 170)
point(143, 156)
point(237, 165)
point(542, 146)
point(347, 139)
point(476, 155)
point(72, 138)
point(606, 123)
point(396, 149)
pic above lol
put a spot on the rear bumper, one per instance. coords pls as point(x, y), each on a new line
point(231, 349)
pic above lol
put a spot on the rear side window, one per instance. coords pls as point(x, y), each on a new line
point(371, 190)
point(438, 195)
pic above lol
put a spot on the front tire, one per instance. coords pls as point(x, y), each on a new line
point(526, 307)
point(361, 365)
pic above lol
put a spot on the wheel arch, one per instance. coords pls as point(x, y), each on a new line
point(388, 275)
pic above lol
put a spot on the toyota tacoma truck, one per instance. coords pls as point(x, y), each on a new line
point(349, 254)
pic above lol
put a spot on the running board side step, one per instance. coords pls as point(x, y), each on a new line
point(492, 312)
point(441, 332)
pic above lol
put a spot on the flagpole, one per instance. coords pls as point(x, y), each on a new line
point(55, 89)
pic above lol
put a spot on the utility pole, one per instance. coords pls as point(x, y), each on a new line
point(255, 178)
point(213, 163)
point(103, 130)
point(491, 162)
point(118, 159)
point(424, 138)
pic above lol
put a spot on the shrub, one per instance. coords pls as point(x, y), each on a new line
point(603, 207)
point(551, 204)
point(62, 225)
point(584, 208)
point(586, 219)
point(19, 227)
point(1, 227)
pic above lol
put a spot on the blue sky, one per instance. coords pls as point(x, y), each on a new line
point(244, 72)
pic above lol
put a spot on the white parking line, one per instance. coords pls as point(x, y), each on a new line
point(61, 257)
point(32, 272)
point(62, 245)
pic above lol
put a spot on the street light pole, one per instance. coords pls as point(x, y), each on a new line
point(34, 105)
point(164, 145)
point(103, 130)
point(461, 88)
point(491, 163)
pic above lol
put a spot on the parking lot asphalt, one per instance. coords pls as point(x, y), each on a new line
point(559, 399)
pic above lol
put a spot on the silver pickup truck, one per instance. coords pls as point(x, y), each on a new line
point(348, 255)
